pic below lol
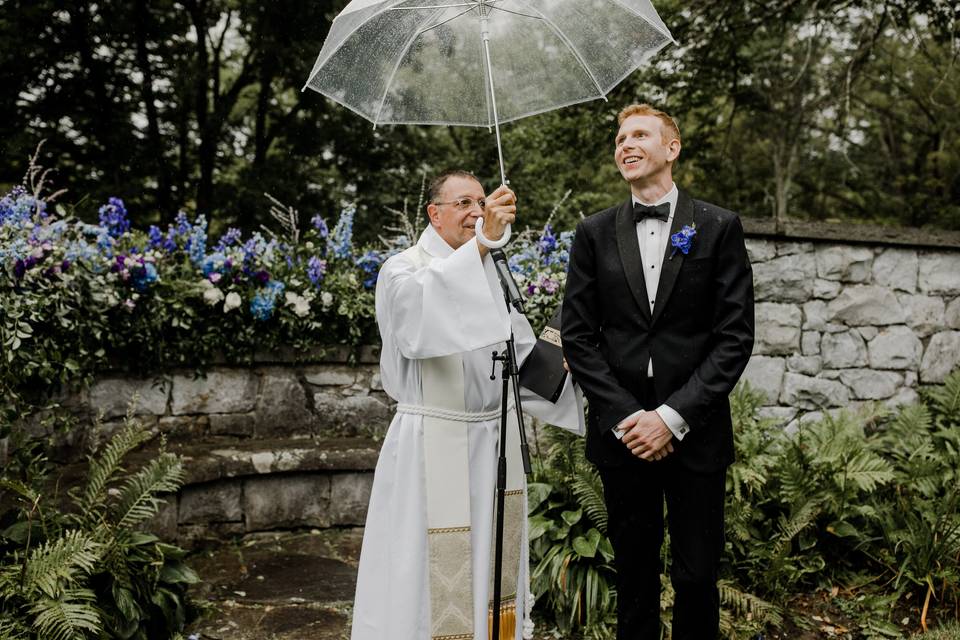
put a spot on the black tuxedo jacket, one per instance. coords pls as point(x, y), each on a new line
point(700, 334)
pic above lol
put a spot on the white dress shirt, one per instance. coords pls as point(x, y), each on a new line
point(652, 235)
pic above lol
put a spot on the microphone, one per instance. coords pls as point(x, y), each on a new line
point(509, 285)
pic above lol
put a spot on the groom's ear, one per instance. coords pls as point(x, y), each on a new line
point(673, 150)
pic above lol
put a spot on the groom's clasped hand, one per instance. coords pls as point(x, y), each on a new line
point(647, 436)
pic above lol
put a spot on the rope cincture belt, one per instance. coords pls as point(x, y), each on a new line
point(449, 414)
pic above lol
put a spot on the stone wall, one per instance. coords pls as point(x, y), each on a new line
point(841, 323)
point(282, 444)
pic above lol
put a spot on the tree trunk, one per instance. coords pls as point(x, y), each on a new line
point(155, 144)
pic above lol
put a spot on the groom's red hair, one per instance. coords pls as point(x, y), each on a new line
point(668, 128)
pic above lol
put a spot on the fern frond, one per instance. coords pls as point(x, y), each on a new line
point(138, 497)
point(866, 471)
point(791, 527)
point(946, 399)
point(107, 464)
point(59, 561)
point(11, 629)
point(588, 489)
point(71, 617)
point(743, 604)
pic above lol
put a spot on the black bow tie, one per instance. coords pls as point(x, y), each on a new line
point(659, 212)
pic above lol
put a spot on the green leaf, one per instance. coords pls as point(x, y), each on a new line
point(586, 546)
point(843, 529)
point(538, 525)
point(572, 517)
point(178, 573)
point(537, 492)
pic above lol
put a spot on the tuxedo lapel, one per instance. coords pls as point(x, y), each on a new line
point(629, 248)
point(671, 265)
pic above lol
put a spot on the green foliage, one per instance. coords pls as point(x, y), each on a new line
point(573, 576)
point(87, 572)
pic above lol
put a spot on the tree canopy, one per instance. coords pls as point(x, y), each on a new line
point(831, 109)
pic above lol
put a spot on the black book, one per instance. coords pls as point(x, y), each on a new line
point(542, 372)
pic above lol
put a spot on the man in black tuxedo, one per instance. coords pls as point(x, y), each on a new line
point(657, 328)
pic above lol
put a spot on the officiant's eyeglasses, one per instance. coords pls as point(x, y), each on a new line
point(465, 204)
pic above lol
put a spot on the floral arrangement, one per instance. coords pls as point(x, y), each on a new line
point(76, 297)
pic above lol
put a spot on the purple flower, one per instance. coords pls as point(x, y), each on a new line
point(548, 241)
point(19, 269)
point(113, 218)
point(682, 240)
point(316, 269)
point(320, 225)
point(230, 238)
point(549, 285)
point(262, 277)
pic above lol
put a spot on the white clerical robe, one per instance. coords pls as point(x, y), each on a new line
point(452, 305)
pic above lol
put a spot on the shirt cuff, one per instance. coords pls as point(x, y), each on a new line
point(616, 431)
point(674, 421)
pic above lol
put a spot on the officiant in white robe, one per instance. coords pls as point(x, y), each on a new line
point(438, 300)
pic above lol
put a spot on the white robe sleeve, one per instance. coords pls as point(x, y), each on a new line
point(442, 308)
point(567, 411)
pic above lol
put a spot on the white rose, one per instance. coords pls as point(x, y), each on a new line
point(301, 308)
point(206, 284)
point(232, 301)
point(326, 298)
point(212, 296)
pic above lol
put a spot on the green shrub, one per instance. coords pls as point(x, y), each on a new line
point(89, 572)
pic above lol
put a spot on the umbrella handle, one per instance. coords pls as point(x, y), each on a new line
point(492, 244)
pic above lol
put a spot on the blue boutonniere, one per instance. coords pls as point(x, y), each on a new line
point(682, 240)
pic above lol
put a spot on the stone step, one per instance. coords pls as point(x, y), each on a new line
point(236, 487)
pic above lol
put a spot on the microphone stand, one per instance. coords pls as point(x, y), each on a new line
point(510, 375)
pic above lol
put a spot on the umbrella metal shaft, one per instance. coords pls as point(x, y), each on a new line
point(485, 33)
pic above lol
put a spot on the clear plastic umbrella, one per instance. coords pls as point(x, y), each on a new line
point(481, 62)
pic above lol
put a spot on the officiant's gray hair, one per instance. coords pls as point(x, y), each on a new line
point(668, 124)
point(436, 185)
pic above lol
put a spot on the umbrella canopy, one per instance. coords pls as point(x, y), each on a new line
point(423, 61)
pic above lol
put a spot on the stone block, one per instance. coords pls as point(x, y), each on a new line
point(765, 375)
point(951, 316)
point(376, 383)
point(940, 273)
point(815, 315)
point(282, 409)
point(807, 365)
point(844, 263)
point(283, 502)
point(868, 333)
point(788, 248)
point(941, 357)
point(785, 278)
point(903, 397)
point(843, 350)
point(349, 497)
point(925, 314)
point(351, 414)
point(810, 343)
point(233, 424)
point(331, 375)
point(865, 305)
point(180, 427)
point(777, 328)
point(895, 348)
point(164, 523)
point(778, 416)
point(113, 395)
point(805, 392)
point(867, 384)
point(211, 502)
point(221, 391)
point(760, 250)
point(896, 269)
point(826, 289)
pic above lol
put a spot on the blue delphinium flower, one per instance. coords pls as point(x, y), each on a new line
point(213, 263)
point(183, 223)
point(547, 243)
point(19, 207)
point(264, 302)
point(142, 275)
point(230, 238)
point(316, 269)
point(113, 217)
point(370, 264)
point(197, 242)
point(682, 240)
point(320, 225)
point(340, 241)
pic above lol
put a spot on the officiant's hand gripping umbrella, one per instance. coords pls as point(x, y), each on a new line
point(482, 63)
